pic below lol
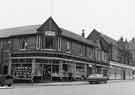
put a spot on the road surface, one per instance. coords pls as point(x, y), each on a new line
point(116, 88)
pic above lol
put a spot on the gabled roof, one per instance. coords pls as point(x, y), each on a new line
point(49, 25)
point(109, 40)
point(33, 29)
point(95, 34)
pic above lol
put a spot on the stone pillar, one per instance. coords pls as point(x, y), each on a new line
point(37, 42)
point(74, 69)
point(33, 69)
point(41, 67)
point(9, 66)
point(60, 69)
point(85, 69)
point(51, 70)
point(10, 63)
point(102, 70)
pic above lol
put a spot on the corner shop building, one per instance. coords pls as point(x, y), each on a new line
point(49, 51)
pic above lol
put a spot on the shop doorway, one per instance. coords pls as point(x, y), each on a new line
point(124, 75)
point(46, 72)
point(5, 71)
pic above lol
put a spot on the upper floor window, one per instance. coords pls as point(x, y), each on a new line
point(68, 45)
point(98, 54)
point(24, 44)
point(49, 42)
point(90, 52)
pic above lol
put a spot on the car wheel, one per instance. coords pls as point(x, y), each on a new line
point(9, 85)
point(90, 82)
point(2, 85)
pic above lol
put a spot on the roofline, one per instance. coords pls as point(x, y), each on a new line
point(12, 36)
point(93, 45)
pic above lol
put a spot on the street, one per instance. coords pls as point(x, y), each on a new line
point(111, 88)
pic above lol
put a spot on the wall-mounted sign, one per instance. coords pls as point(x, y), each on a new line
point(50, 33)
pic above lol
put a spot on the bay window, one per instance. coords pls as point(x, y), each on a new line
point(49, 42)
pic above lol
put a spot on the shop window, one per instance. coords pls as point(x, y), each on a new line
point(24, 44)
point(105, 72)
point(55, 68)
point(89, 70)
point(79, 67)
point(98, 70)
point(65, 67)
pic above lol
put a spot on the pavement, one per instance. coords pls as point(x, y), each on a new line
point(53, 83)
point(67, 83)
point(113, 87)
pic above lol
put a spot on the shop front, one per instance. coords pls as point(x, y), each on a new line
point(28, 68)
point(119, 71)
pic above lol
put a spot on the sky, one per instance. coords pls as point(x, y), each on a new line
point(115, 18)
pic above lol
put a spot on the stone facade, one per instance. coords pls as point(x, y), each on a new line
point(48, 52)
point(120, 55)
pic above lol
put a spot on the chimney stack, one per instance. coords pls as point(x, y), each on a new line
point(83, 34)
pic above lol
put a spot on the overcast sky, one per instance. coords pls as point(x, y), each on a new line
point(114, 18)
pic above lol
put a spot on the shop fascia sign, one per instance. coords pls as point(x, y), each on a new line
point(50, 33)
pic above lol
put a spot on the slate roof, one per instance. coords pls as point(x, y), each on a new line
point(69, 34)
point(32, 29)
point(109, 40)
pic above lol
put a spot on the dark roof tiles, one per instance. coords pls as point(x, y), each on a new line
point(32, 29)
point(105, 37)
point(77, 37)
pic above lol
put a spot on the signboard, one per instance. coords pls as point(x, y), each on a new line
point(50, 33)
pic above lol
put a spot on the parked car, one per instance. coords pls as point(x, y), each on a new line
point(97, 78)
point(6, 80)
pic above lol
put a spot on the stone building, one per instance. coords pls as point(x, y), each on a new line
point(48, 52)
point(121, 66)
point(131, 47)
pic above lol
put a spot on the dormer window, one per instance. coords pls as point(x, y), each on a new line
point(49, 40)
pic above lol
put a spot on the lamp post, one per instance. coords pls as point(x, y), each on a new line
point(9, 55)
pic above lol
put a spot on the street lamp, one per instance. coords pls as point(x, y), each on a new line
point(9, 55)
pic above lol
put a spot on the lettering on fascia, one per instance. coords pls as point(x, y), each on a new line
point(50, 33)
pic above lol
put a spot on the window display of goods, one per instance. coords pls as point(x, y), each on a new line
point(23, 72)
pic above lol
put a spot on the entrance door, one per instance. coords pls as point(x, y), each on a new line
point(46, 72)
point(124, 75)
point(5, 70)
